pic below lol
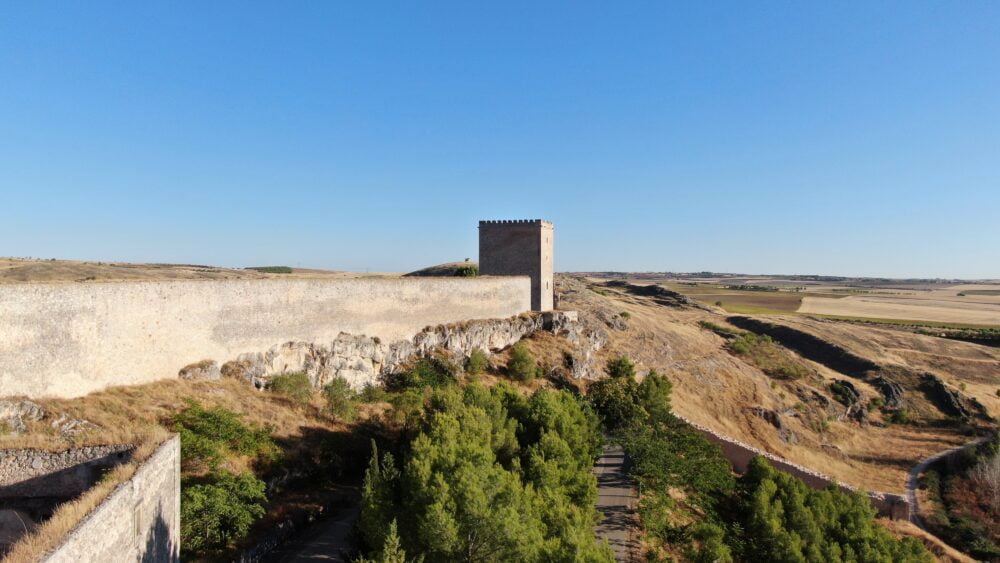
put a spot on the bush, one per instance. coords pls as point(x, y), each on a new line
point(467, 271)
point(625, 315)
point(341, 400)
point(295, 386)
point(373, 394)
point(620, 367)
point(427, 372)
point(207, 435)
point(477, 363)
point(220, 512)
point(900, 416)
point(521, 365)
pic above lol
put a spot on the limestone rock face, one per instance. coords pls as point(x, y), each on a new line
point(363, 360)
point(15, 412)
point(205, 369)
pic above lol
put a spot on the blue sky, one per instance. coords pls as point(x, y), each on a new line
point(853, 138)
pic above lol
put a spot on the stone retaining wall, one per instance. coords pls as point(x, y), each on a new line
point(739, 455)
point(139, 521)
point(31, 472)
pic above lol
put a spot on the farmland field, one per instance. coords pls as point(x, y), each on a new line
point(948, 305)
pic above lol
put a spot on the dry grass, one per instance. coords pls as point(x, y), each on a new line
point(34, 545)
point(142, 415)
point(715, 389)
point(18, 270)
point(940, 550)
point(915, 308)
point(125, 414)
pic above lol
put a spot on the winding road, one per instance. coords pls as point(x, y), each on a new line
point(913, 480)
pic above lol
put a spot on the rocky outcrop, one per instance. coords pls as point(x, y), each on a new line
point(947, 399)
point(658, 293)
point(892, 391)
point(363, 360)
point(205, 369)
point(15, 413)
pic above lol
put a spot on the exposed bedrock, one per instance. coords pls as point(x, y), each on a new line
point(363, 360)
point(810, 346)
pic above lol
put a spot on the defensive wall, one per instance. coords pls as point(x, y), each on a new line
point(739, 455)
point(67, 340)
point(521, 247)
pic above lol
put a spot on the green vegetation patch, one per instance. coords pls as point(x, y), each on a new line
point(762, 351)
point(492, 475)
point(271, 269)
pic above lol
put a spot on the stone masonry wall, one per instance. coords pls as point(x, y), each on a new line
point(739, 455)
point(520, 248)
point(26, 471)
point(67, 340)
point(139, 521)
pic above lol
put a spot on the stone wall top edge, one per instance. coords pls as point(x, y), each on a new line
point(398, 281)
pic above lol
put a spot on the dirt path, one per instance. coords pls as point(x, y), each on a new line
point(328, 540)
point(616, 500)
point(913, 479)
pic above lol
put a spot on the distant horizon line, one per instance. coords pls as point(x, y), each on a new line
point(621, 273)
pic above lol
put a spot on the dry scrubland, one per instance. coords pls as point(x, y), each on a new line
point(31, 270)
point(728, 393)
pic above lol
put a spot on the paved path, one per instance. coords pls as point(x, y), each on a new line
point(913, 481)
point(616, 500)
point(329, 540)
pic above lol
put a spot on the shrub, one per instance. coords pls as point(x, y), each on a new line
point(625, 315)
point(220, 512)
point(620, 367)
point(467, 271)
point(900, 416)
point(875, 403)
point(207, 435)
point(341, 400)
point(521, 364)
point(296, 386)
point(427, 372)
point(718, 303)
point(373, 394)
point(477, 362)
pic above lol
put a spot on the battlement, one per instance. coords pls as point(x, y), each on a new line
point(541, 222)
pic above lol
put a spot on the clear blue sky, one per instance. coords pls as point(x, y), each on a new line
point(855, 138)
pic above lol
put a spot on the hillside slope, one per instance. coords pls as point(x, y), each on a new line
point(796, 418)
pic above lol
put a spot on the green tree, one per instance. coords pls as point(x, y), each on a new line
point(620, 366)
point(220, 512)
point(521, 364)
point(462, 494)
point(341, 399)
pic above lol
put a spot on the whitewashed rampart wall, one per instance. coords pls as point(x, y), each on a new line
point(67, 340)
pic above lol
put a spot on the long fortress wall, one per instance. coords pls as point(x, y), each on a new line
point(67, 340)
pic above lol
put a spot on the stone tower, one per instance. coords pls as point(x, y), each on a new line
point(520, 248)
